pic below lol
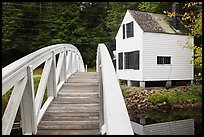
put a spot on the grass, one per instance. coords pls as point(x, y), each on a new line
point(91, 70)
point(37, 71)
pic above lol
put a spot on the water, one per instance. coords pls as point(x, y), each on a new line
point(152, 117)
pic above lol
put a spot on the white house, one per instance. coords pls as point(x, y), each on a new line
point(150, 49)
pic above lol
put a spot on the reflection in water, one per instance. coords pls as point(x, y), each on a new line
point(153, 116)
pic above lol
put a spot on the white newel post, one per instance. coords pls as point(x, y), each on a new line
point(27, 106)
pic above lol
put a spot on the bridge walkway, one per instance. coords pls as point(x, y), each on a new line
point(75, 111)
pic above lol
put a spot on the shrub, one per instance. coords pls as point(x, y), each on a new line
point(195, 89)
point(162, 97)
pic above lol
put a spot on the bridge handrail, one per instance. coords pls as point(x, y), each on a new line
point(19, 75)
point(115, 118)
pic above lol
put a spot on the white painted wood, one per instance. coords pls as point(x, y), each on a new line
point(12, 106)
point(60, 85)
point(44, 108)
point(68, 75)
point(168, 44)
point(142, 84)
point(86, 68)
point(52, 84)
point(18, 70)
point(116, 116)
point(42, 85)
point(59, 66)
point(137, 128)
point(150, 46)
point(128, 45)
point(103, 131)
point(27, 106)
point(9, 84)
point(70, 62)
point(63, 71)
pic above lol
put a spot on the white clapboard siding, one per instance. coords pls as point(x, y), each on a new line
point(159, 44)
point(128, 45)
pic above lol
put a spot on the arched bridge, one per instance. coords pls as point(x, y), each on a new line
point(78, 102)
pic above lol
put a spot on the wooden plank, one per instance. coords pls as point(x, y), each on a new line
point(68, 132)
point(81, 84)
point(70, 118)
point(75, 100)
point(78, 90)
point(78, 80)
point(73, 109)
point(69, 125)
point(53, 105)
point(72, 114)
point(64, 94)
point(80, 87)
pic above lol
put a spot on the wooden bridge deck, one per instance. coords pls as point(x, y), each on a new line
point(75, 111)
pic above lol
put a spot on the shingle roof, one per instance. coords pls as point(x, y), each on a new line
point(151, 22)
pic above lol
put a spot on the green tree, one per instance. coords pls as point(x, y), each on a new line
point(192, 18)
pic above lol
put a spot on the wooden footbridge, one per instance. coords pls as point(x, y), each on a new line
point(78, 102)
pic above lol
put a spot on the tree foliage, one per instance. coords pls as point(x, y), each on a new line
point(28, 26)
point(192, 18)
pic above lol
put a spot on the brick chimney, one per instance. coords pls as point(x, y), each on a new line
point(175, 12)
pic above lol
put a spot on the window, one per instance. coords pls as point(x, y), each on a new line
point(163, 60)
point(127, 60)
point(132, 60)
point(129, 29)
point(136, 60)
point(120, 60)
point(123, 31)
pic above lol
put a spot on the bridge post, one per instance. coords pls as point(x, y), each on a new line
point(52, 84)
point(70, 62)
point(27, 106)
point(63, 73)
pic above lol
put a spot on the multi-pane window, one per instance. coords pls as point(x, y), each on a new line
point(163, 60)
point(132, 60)
point(123, 31)
point(120, 60)
point(128, 64)
point(129, 29)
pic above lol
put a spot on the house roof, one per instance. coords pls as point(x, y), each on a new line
point(151, 22)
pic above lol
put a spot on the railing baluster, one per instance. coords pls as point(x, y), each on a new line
point(70, 62)
point(52, 84)
point(12, 106)
point(63, 71)
point(59, 66)
point(27, 106)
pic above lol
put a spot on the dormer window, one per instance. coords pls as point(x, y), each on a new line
point(128, 30)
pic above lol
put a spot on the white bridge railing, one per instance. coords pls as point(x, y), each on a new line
point(19, 76)
point(114, 118)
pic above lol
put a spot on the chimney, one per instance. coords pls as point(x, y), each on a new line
point(175, 12)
